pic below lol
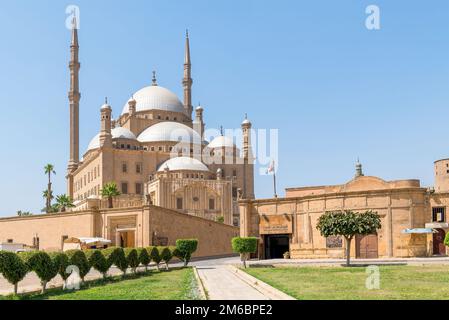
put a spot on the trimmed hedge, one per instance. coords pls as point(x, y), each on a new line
point(244, 246)
point(116, 256)
point(166, 255)
point(97, 261)
point(144, 257)
point(154, 255)
point(78, 258)
point(132, 258)
point(61, 262)
point(41, 263)
point(12, 268)
point(186, 248)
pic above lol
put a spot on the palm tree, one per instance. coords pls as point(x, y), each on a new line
point(63, 202)
point(49, 169)
point(21, 213)
point(45, 196)
point(109, 191)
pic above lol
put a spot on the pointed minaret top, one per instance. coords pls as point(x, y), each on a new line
point(74, 32)
point(154, 79)
point(187, 53)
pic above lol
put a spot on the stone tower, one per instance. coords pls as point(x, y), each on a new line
point(248, 158)
point(74, 102)
point(105, 132)
point(187, 81)
point(74, 99)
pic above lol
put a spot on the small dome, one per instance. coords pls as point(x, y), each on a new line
point(183, 163)
point(155, 98)
point(169, 131)
point(106, 107)
point(246, 122)
point(222, 141)
point(117, 133)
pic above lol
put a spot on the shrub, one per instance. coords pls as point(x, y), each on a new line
point(61, 262)
point(116, 256)
point(244, 246)
point(78, 258)
point(97, 261)
point(12, 268)
point(132, 258)
point(41, 263)
point(186, 248)
point(166, 255)
point(154, 255)
point(144, 257)
point(175, 252)
point(446, 239)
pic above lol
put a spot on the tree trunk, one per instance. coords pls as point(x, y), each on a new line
point(110, 205)
point(16, 285)
point(166, 266)
point(44, 286)
point(244, 262)
point(348, 251)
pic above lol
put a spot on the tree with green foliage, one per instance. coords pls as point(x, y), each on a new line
point(154, 255)
point(144, 257)
point(110, 191)
point(97, 261)
point(166, 255)
point(40, 263)
point(12, 268)
point(220, 219)
point(186, 248)
point(348, 224)
point(244, 246)
point(132, 258)
point(78, 258)
point(61, 262)
point(63, 202)
point(21, 213)
point(49, 170)
point(116, 256)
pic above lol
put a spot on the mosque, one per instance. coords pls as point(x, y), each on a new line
point(156, 153)
point(175, 184)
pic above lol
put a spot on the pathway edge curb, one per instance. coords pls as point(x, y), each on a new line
point(267, 290)
point(200, 284)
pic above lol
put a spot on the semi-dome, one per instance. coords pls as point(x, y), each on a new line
point(117, 133)
point(222, 142)
point(183, 163)
point(169, 131)
point(156, 98)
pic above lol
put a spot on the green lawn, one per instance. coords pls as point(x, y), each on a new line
point(176, 284)
point(339, 283)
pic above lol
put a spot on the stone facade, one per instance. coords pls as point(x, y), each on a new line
point(402, 205)
point(128, 227)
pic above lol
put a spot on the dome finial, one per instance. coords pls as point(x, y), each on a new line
point(358, 169)
point(221, 130)
point(154, 79)
point(106, 100)
point(187, 33)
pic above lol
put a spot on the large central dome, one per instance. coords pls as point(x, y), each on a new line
point(156, 98)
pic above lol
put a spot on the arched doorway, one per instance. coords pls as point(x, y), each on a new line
point(366, 246)
point(438, 242)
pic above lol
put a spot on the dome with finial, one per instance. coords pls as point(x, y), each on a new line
point(246, 121)
point(105, 105)
point(155, 97)
point(117, 133)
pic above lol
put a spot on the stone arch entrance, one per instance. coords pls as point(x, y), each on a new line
point(438, 242)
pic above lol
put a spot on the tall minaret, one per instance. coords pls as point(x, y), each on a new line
point(187, 81)
point(74, 99)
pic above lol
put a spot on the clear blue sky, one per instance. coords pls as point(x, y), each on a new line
point(335, 90)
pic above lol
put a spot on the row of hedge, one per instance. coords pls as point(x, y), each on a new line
point(14, 267)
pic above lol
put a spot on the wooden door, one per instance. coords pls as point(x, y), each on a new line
point(366, 246)
point(438, 242)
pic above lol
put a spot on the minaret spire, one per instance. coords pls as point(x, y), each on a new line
point(74, 98)
point(187, 81)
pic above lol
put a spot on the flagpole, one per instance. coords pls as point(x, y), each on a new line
point(274, 179)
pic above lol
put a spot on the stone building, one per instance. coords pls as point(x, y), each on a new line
point(413, 218)
point(155, 126)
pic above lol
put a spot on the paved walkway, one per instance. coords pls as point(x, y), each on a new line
point(223, 284)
